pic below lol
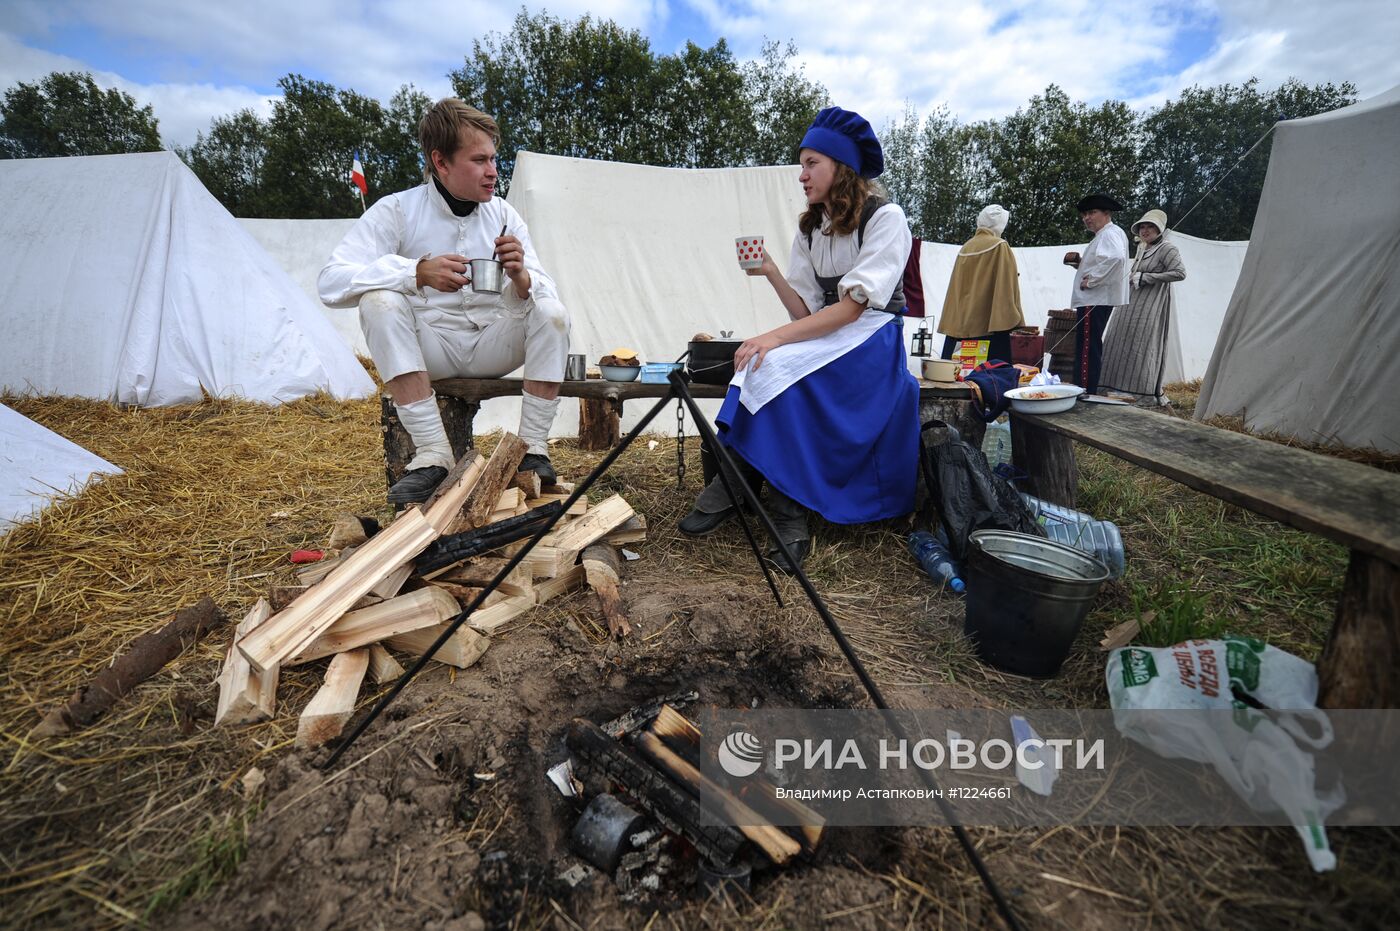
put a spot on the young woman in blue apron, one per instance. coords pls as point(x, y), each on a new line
point(824, 408)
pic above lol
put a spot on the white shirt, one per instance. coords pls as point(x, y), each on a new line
point(876, 269)
point(1105, 261)
point(382, 250)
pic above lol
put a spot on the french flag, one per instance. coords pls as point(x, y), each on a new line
point(357, 175)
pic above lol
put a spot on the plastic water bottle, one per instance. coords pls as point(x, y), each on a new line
point(996, 443)
point(935, 559)
point(1098, 538)
point(1047, 513)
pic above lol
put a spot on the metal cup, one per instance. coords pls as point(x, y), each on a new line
point(576, 368)
point(486, 276)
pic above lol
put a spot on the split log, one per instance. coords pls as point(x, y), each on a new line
point(528, 483)
point(569, 581)
point(146, 656)
point(775, 845)
point(389, 586)
point(577, 509)
point(404, 614)
point(560, 548)
point(462, 649)
point(329, 709)
point(670, 725)
point(632, 530)
point(658, 796)
point(349, 530)
point(498, 472)
point(313, 613)
point(382, 665)
point(478, 572)
point(510, 499)
point(446, 505)
point(245, 696)
point(488, 620)
point(603, 569)
point(316, 571)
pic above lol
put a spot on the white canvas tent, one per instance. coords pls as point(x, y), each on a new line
point(126, 280)
point(36, 464)
point(1310, 346)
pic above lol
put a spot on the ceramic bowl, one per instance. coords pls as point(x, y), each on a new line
point(1043, 399)
point(620, 372)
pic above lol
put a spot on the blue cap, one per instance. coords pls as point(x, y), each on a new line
point(847, 137)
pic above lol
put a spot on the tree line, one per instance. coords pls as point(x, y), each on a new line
point(591, 89)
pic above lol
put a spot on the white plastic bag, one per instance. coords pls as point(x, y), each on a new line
point(1266, 763)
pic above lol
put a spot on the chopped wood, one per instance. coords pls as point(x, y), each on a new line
point(632, 530)
point(310, 615)
point(510, 499)
point(756, 791)
point(776, 845)
point(1122, 634)
point(559, 549)
point(489, 619)
point(422, 608)
point(389, 586)
point(382, 665)
point(279, 596)
point(577, 509)
point(444, 508)
point(558, 488)
point(479, 571)
point(569, 581)
point(505, 513)
point(603, 568)
point(316, 571)
point(498, 471)
point(347, 530)
point(462, 649)
point(245, 696)
point(528, 483)
point(146, 656)
point(329, 709)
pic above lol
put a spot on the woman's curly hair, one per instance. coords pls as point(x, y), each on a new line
point(849, 192)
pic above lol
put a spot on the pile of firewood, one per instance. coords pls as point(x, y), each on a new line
point(371, 597)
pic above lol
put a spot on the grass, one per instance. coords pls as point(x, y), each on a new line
point(116, 825)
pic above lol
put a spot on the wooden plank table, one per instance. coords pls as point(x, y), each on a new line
point(1355, 505)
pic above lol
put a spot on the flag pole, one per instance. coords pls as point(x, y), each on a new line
point(362, 200)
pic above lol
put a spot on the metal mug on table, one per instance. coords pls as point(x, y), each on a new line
point(576, 368)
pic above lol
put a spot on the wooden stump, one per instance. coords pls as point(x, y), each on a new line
point(1048, 458)
point(599, 426)
point(457, 415)
point(1360, 666)
point(958, 413)
point(1057, 330)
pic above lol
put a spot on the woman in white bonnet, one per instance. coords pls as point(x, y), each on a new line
point(1135, 349)
point(984, 295)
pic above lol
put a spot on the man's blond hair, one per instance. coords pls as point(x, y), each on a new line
point(441, 129)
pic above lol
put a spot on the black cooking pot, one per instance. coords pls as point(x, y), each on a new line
point(711, 361)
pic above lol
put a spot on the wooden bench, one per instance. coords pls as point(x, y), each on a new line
point(600, 411)
point(1352, 504)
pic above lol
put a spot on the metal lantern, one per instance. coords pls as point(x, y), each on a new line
point(922, 341)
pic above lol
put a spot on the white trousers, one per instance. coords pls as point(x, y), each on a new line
point(405, 338)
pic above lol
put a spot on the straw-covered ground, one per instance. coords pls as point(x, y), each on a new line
point(142, 818)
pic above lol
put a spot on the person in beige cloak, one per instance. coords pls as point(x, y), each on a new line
point(984, 294)
point(1135, 348)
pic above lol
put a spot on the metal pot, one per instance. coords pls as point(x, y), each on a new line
point(711, 361)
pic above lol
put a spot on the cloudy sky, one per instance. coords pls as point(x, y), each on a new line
point(193, 61)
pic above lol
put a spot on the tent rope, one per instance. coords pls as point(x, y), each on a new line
point(1210, 190)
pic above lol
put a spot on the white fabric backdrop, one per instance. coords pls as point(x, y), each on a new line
point(1311, 344)
point(126, 280)
point(37, 464)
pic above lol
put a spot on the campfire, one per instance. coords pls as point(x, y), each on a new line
point(651, 819)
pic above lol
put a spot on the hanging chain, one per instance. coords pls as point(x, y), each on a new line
point(680, 443)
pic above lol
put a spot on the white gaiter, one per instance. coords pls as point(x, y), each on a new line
point(423, 422)
point(536, 417)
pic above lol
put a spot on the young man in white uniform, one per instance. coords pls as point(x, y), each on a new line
point(404, 264)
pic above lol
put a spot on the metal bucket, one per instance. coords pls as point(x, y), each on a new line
point(1026, 600)
point(486, 276)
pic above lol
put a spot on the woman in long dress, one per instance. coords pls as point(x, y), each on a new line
point(1135, 349)
point(824, 407)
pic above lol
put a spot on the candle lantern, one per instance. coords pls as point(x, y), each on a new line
point(922, 342)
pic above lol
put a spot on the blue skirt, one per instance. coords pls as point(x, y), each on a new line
point(843, 441)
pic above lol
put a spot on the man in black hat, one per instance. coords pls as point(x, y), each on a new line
point(1100, 284)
